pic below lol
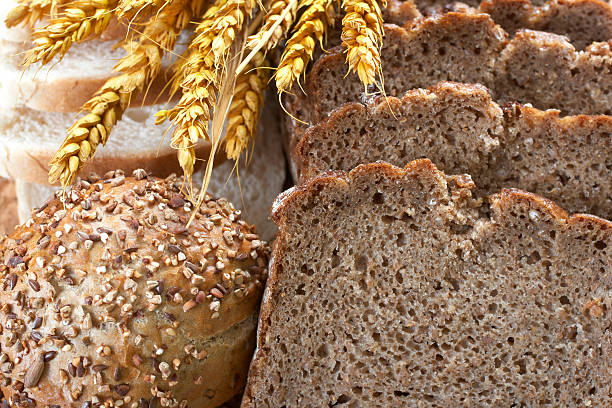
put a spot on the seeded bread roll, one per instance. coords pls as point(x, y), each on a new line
point(113, 300)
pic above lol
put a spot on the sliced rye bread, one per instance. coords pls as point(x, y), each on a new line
point(396, 287)
point(461, 129)
point(411, 58)
point(433, 6)
point(539, 68)
point(582, 21)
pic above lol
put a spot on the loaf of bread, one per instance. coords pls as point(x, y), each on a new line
point(534, 67)
point(111, 298)
point(397, 287)
point(462, 130)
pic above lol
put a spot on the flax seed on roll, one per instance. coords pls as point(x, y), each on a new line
point(110, 299)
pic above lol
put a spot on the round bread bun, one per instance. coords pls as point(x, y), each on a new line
point(111, 299)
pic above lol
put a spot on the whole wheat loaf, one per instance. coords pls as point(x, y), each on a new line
point(462, 130)
point(396, 287)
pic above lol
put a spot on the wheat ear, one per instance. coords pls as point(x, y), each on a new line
point(362, 33)
point(29, 12)
point(246, 106)
point(130, 8)
point(200, 75)
point(311, 27)
point(276, 23)
point(138, 68)
point(79, 21)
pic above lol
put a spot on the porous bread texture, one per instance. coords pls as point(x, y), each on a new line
point(252, 186)
point(545, 70)
point(29, 139)
point(462, 130)
point(111, 298)
point(538, 68)
point(433, 6)
point(582, 21)
point(395, 287)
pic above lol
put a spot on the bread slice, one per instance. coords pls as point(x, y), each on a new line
point(462, 130)
point(29, 139)
point(64, 86)
point(534, 67)
point(134, 144)
point(394, 287)
point(582, 21)
point(454, 46)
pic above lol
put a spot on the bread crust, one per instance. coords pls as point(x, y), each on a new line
point(504, 206)
point(112, 295)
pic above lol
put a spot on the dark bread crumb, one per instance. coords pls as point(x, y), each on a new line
point(389, 288)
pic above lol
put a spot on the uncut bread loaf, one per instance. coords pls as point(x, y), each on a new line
point(462, 130)
point(397, 287)
point(111, 299)
point(539, 68)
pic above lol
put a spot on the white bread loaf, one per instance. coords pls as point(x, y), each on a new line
point(133, 144)
point(64, 86)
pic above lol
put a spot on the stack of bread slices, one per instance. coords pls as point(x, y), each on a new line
point(41, 103)
point(428, 240)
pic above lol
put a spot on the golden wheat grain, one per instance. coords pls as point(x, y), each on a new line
point(200, 75)
point(311, 27)
point(129, 8)
point(29, 12)
point(138, 68)
point(272, 30)
point(195, 77)
point(227, 25)
point(362, 32)
point(79, 21)
point(245, 107)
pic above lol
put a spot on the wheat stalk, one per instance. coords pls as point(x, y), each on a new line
point(276, 24)
point(138, 68)
point(245, 107)
point(79, 21)
point(362, 32)
point(311, 27)
point(199, 77)
point(29, 12)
